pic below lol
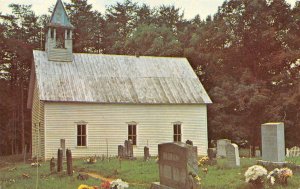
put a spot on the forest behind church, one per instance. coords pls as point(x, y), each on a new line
point(246, 56)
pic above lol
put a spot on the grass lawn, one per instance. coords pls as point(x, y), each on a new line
point(138, 173)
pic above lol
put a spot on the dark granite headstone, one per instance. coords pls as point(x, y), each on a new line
point(177, 161)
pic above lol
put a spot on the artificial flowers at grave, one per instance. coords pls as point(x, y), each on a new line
point(279, 176)
point(255, 174)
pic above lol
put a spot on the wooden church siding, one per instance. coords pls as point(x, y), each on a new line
point(38, 119)
point(154, 126)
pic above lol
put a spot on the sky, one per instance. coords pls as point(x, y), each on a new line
point(190, 7)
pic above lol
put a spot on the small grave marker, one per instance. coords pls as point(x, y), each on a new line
point(52, 165)
point(146, 153)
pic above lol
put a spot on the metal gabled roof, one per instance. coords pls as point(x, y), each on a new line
point(102, 78)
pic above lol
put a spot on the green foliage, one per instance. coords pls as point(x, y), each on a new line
point(138, 174)
point(153, 41)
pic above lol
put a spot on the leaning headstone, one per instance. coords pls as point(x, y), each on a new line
point(177, 165)
point(294, 151)
point(120, 151)
point(69, 162)
point(232, 155)
point(221, 144)
point(52, 165)
point(59, 160)
point(273, 144)
point(146, 153)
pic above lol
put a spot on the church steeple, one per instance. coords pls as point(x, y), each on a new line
point(59, 36)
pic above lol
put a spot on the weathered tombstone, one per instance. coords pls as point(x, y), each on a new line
point(52, 165)
point(257, 152)
point(69, 162)
point(126, 148)
point(146, 153)
point(130, 149)
point(294, 151)
point(221, 144)
point(232, 155)
point(273, 144)
point(63, 146)
point(59, 160)
point(177, 162)
point(120, 151)
point(211, 153)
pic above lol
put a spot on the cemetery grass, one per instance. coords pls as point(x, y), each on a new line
point(138, 173)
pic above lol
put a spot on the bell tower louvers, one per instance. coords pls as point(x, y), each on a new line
point(59, 36)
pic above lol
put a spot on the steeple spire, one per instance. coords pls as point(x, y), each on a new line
point(59, 17)
point(59, 45)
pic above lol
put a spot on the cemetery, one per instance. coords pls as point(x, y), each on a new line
point(177, 166)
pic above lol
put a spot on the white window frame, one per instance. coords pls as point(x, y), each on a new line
point(173, 131)
point(86, 133)
point(136, 132)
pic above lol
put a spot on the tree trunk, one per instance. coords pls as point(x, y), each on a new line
point(22, 119)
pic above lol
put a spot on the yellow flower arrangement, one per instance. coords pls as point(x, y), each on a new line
point(83, 186)
point(203, 161)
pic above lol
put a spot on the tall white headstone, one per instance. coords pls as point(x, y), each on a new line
point(232, 155)
point(273, 144)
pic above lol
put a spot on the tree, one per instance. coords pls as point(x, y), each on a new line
point(88, 26)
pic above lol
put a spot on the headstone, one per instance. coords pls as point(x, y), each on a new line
point(294, 151)
point(146, 153)
point(69, 162)
point(257, 153)
point(52, 165)
point(177, 162)
point(126, 148)
point(120, 151)
point(273, 144)
point(130, 149)
point(232, 155)
point(221, 144)
point(211, 153)
point(59, 160)
point(63, 146)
